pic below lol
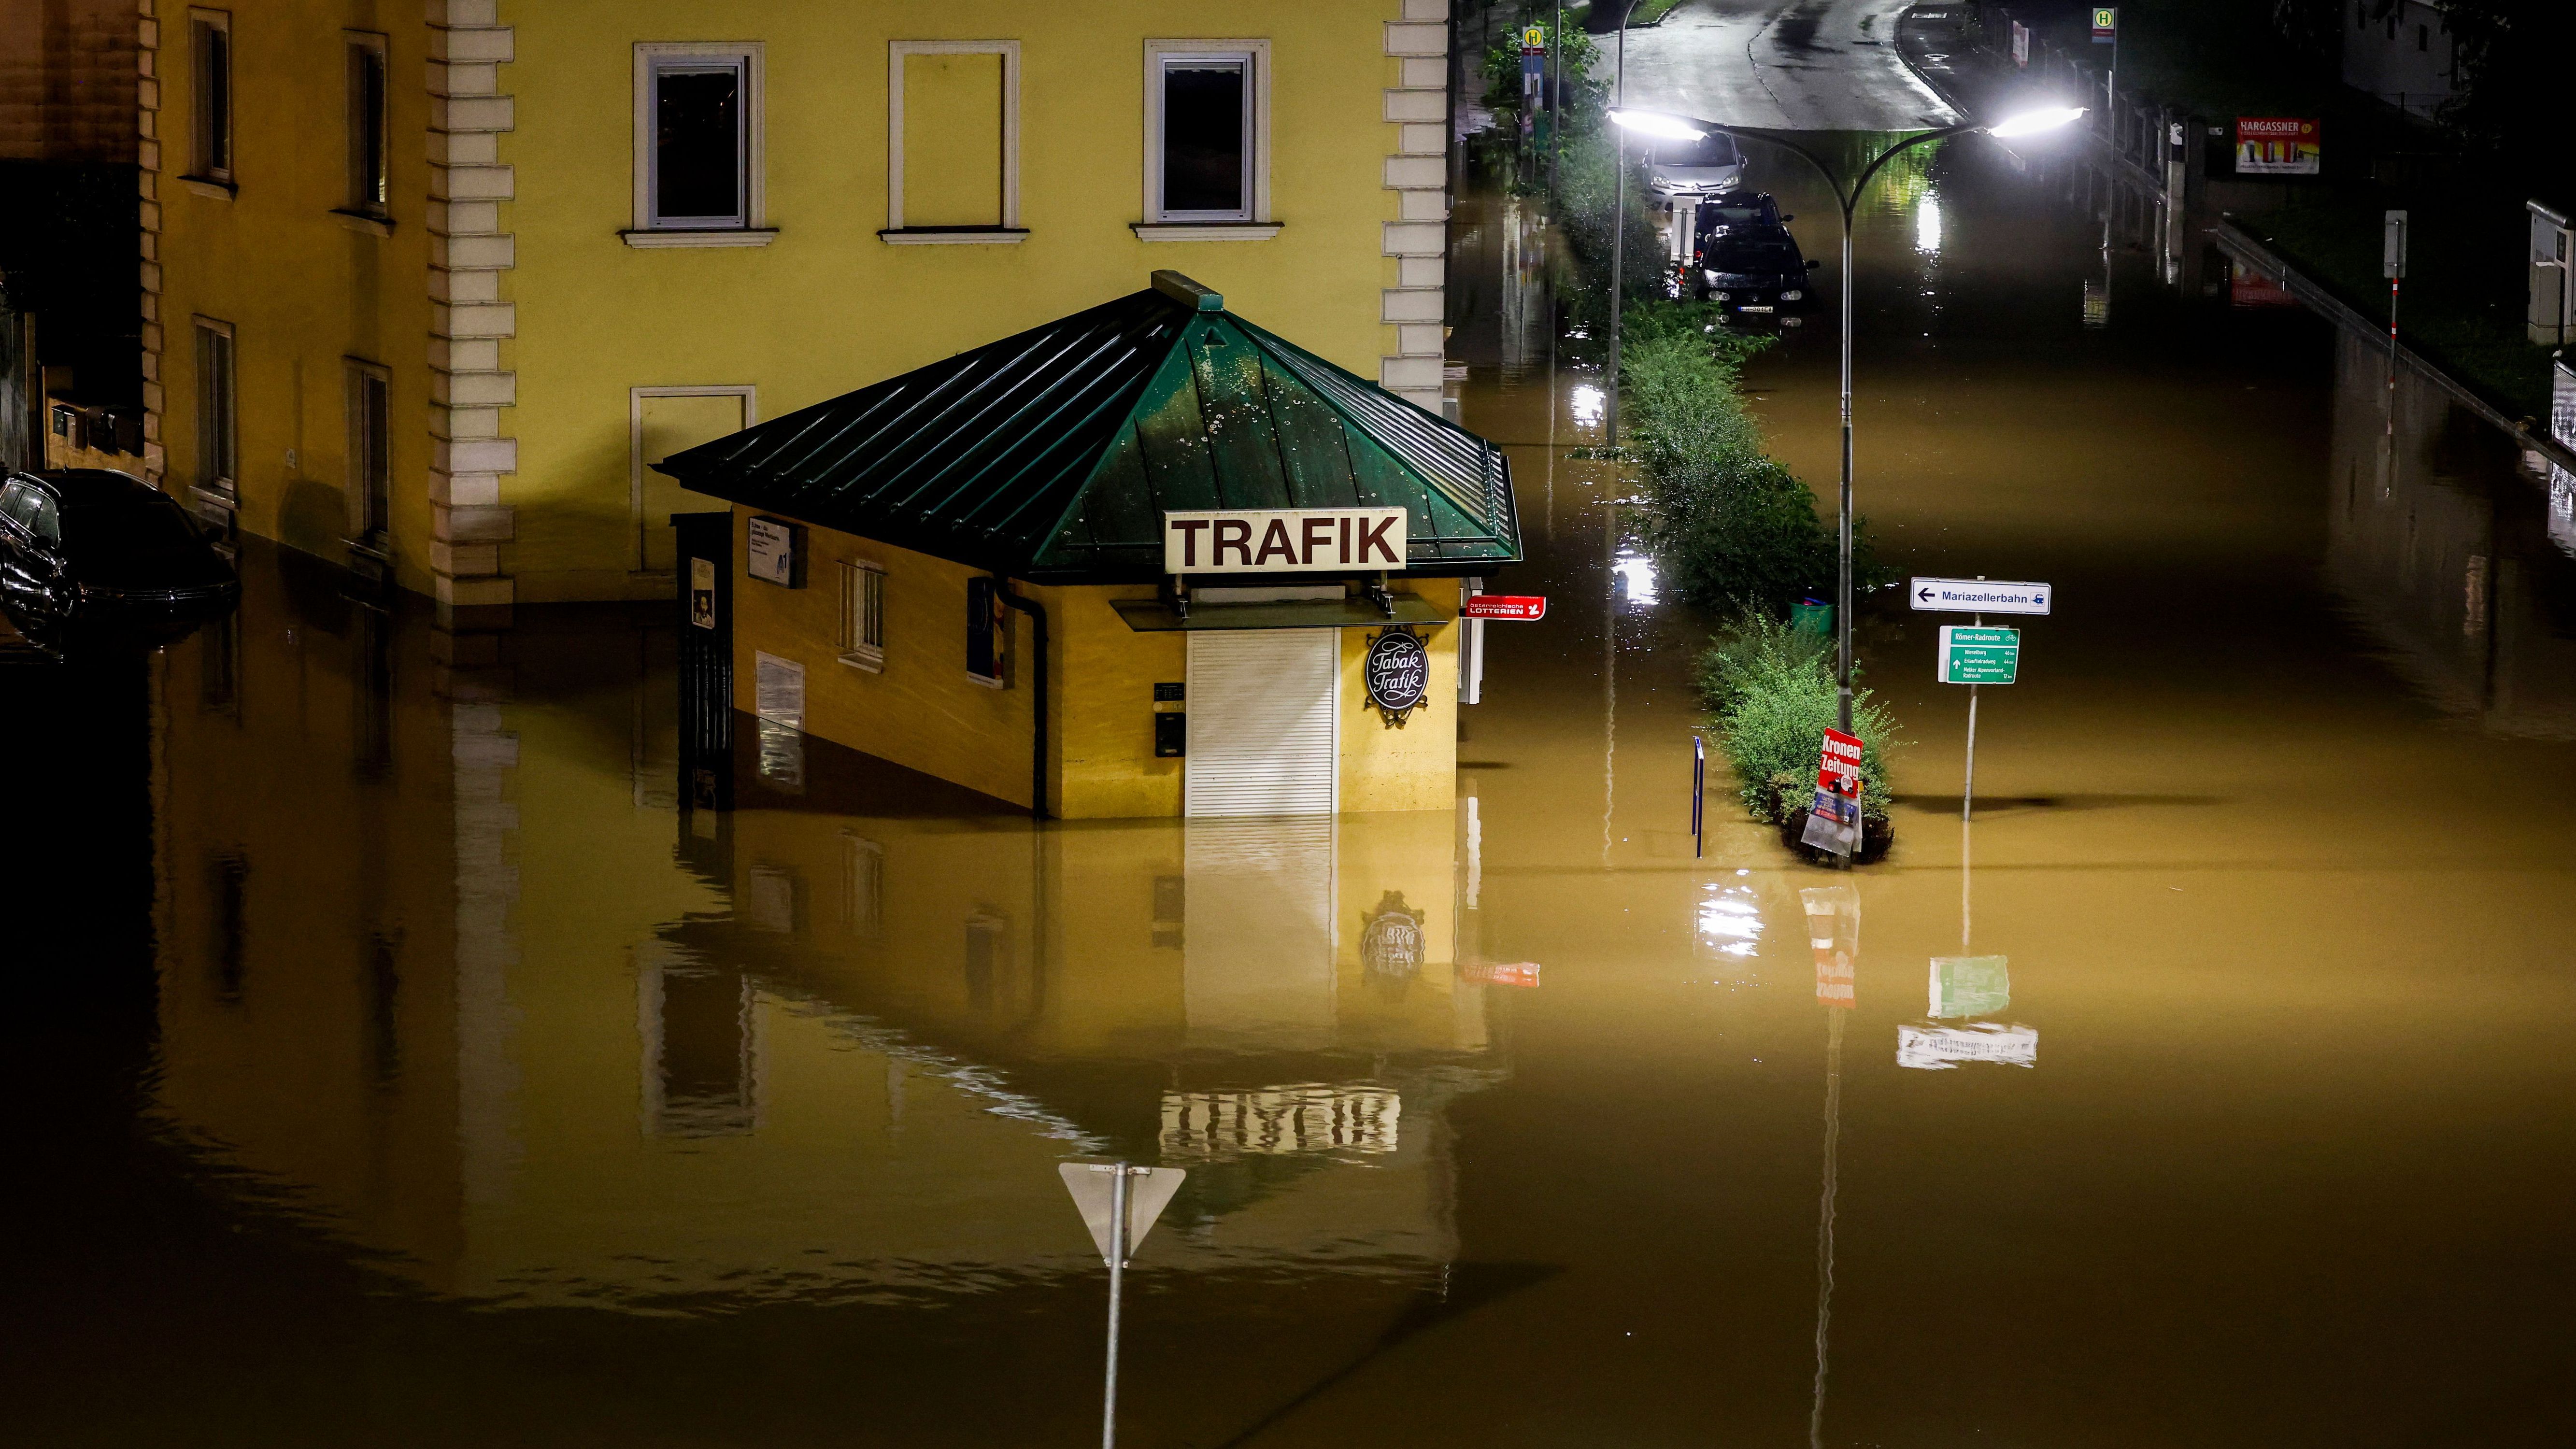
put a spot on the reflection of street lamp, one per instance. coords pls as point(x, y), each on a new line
point(1657, 123)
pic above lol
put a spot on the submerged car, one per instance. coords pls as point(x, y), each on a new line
point(1744, 258)
point(94, 552)
point(1703, 166)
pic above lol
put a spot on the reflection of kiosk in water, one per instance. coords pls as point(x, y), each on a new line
point(528, 1057)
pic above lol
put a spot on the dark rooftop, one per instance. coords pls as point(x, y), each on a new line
point(1052, 455)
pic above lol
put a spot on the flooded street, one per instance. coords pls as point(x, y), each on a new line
point(402, 1064)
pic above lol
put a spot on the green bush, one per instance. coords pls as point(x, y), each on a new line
point(1729, 525)
point(1772, 690)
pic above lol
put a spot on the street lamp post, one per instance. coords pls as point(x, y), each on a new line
point(1848, 200)
point(1618, 230)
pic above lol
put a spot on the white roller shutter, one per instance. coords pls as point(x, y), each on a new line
point(1261, 733)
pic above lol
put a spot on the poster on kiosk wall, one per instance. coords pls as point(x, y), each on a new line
point(2276, 146)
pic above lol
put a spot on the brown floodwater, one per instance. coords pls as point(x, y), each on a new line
point(398, 1063)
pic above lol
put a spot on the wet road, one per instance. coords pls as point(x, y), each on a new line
point(396, 1063)
point(1791, 64)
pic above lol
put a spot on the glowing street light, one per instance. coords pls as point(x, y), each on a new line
point(1690, 128)
point(2031, 123)
point(1656, 123)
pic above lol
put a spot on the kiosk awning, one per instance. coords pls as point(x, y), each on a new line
point(1052, 455)
point(1153, 616)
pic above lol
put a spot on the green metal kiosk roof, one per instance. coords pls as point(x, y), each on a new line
point(1052, 455)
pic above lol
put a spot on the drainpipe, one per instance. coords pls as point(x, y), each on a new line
point(1038, 754)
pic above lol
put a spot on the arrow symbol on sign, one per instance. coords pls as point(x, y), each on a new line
point(1925, 595)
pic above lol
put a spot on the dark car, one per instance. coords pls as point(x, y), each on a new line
point(1746, 259)
point(98, 553)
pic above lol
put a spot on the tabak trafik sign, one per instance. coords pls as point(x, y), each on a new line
point(1397, 673)
point(1283, 540)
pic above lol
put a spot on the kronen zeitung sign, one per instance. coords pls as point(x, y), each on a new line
point(1278, 540)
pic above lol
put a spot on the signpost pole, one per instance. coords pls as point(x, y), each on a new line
point(1117, 1284)
point(1968, 791)
point(1699, 784)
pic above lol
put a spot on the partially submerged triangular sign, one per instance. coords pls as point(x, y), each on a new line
point(1149, 1190)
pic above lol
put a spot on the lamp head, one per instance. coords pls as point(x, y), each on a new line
point(2031, 123)
point(1657, 123)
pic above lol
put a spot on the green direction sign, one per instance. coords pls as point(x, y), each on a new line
point(1971, 655)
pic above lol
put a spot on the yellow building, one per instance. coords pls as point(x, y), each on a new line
point(432, 297)
point(1240, 569)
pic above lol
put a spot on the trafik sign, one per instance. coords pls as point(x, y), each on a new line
point(1282, 540)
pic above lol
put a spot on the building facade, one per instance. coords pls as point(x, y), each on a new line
point(433, 297)
point(2402, 52)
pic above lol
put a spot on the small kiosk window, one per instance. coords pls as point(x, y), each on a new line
point(988, 634)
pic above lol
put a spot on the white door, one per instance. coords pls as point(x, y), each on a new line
point(1261, 732)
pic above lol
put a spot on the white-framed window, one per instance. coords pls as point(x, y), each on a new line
point(698, 144)
point(218, 412)
point(210, 104)
point(661, 421)
point(370, 455)
point(370, 189)
point(1207, 133)
point(862, 637)
point(952, 141)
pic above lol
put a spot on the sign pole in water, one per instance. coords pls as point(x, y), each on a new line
point(1699, 785)
point(1119, 1204)
point(1974, 654)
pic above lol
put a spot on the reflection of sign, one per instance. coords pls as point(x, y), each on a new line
point(2106, 23)
point(1527, 607)
point(1833, 932)
point(1391, 938)
point(1969, 986)
point(702, 592)
point(1279, 540)
point(1978, 596)
point(2021, 44)
point(1303, 1118)
point(773, 551)
point(1523, 974)
point(1939, 1048)
point(1979, 656)
point(2276, 146)
point(1398, 672)
point(2247, 287)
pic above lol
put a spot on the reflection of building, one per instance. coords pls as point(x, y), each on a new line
point(2441, 549)
point(487, 1001)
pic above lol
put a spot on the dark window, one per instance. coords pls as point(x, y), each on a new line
point(1207, 141)
point(213, 113)
point(215, 437)
point(368, 189)
point(698, 143)
point(987, 632)
point(370, 467)
point(381, 984)
point(228, 926)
